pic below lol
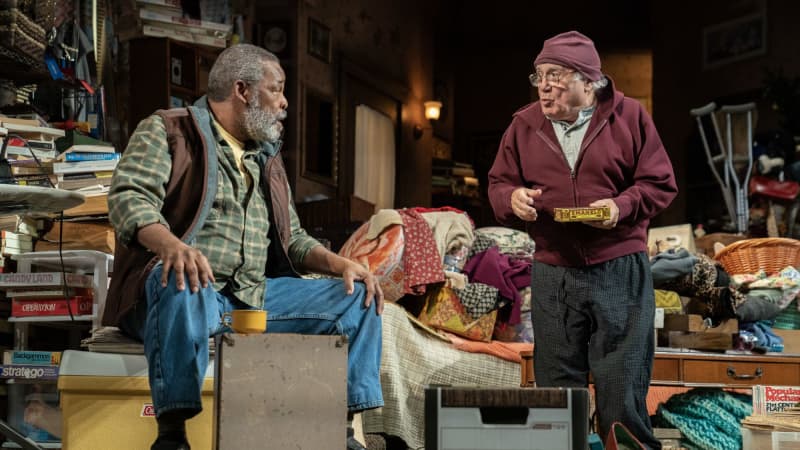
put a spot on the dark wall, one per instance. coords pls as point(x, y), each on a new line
point(680, 83)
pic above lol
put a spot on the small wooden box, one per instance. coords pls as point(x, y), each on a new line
point(581, 214)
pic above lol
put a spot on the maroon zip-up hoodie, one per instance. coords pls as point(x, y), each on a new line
point(621, 158)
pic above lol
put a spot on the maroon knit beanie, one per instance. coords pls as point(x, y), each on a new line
point(573, 50)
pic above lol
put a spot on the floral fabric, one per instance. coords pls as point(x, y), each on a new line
point(444, 311)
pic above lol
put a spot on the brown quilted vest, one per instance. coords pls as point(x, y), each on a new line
point(183, 209)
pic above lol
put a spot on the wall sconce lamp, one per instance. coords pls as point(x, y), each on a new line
point(433, 110)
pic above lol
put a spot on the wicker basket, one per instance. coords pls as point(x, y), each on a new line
point(752, 255)
point(20, 34)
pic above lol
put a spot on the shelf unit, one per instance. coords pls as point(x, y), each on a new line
point(89, 262)
point(164, 72)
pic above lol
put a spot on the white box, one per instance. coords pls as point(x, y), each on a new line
point(769, 440)
point(658, 321)
point(468, 417)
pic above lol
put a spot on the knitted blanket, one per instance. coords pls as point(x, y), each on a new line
point(709, 418)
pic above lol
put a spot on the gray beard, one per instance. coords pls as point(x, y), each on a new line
point(262, 125)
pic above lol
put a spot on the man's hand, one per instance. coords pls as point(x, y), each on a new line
point(177, 256)
point(612, 221)
point(522, 203)
point(322, 260)
point(355, 272)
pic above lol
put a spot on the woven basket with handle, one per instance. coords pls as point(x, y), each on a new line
point(751, 255)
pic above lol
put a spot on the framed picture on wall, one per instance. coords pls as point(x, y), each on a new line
point(319, 40)
point(734, 40)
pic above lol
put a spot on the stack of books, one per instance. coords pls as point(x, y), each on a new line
point(86, 168)
point(85, 165)
point(13, 243)
point(43, 294)
point(17, 233)
point(165, 18)
point(35, 373)
point(454, 178)
point(30, 150)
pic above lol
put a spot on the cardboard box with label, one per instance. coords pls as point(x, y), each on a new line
point(105, 403)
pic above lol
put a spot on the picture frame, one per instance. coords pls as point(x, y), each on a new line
point(734, 40)
point(319, 155)
point(319, 40)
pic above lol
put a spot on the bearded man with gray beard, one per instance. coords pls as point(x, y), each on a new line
point(206, 224)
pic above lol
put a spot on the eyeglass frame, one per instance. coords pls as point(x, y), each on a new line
point(552, 77)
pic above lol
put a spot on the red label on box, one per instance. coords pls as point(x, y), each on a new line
point(148, 410)
point(51, 307)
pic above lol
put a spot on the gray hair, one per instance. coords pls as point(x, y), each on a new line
point(243, 62)
point(597, 86)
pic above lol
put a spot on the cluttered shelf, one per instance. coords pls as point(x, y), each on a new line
point(18, 67)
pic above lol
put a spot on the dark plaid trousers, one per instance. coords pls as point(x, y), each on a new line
point(598, 319)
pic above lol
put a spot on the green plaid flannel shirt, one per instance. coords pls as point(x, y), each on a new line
point(234, 237)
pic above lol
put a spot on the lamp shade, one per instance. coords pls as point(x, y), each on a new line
point(432, 110)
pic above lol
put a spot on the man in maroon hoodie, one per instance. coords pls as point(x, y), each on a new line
point(586, 144)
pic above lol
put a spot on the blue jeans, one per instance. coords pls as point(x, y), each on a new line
point(176, 325)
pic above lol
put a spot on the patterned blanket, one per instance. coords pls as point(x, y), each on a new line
point(412, 359)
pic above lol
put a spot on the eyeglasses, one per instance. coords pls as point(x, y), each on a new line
point(552, 77)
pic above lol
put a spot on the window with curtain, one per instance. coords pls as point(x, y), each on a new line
point(374, 157)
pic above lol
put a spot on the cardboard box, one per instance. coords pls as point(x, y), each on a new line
point(769, 440)
point(660, 239)
point(106, 403)
point(281, 391)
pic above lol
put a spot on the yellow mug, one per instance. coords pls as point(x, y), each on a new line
point(246, 321)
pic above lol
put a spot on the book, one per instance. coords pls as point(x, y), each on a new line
point(42, 179)
point(773, 399)
point(26, 372)
point(44, 279)
point(51, 306)
point(28, 130)
point(79, 183)
point(12, 237)
point(84, 166)
point(31, 357)
point(43, 149)
point(15, 150)
point(169, 3)
point(14, 247)
point(38, 144)
point(73, 138)
point(86, 148)
point(19, 121)
point(47, 292)
point(31, 169)
point(183, 36)
point(90, 156)
point(19, 246)
point(158, 16)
